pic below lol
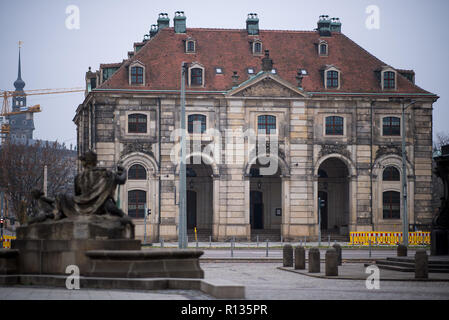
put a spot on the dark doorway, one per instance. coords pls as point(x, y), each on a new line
point(324, 221)
point(256, 207)
point(191, 209)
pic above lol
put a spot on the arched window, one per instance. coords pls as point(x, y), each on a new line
point(190, 46)
point(391, 174)
point(266, 123)
point(196, 76)
point(137, 123)
point(391, 126)
point(136, 203)
point(391, 205)
point(257, 49)
point(137, 172)
point(196, 118)
point(334, 125)
point(332, 79)
point(389, 80)
point(323, 49)
point(136, 75)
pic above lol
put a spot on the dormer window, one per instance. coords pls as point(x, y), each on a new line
point(257, 47)
point(190, 46)
point(388, 78)
point(332, 78)
point(219, 70)
point(273, 71)
point(323, 48)
point(196, 75)
point(137, 74)
point(250, 71)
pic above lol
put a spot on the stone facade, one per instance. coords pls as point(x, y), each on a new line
point(228, 197)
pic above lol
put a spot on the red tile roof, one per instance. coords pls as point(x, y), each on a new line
point(230, 49)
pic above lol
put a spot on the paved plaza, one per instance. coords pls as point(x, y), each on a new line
point(264, 279)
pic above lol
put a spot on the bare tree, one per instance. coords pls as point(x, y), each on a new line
point(22, 170)
point(442, 138)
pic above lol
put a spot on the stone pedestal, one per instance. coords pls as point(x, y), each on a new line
point(337, 248)
point(314, 260)
point(331, 262)
point(287, 253)
point(49, 247)
point(401, 250)
point(53, 256)
point(421, 264)
point(300, 258)
point(439, 244)
point(153, 263)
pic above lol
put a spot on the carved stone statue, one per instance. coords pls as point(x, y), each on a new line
point(94, 194)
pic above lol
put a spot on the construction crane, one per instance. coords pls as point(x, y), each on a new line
point(6, 111)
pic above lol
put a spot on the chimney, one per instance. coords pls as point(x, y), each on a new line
point(180, 22)
point(163, 21)
point(252, 24)
point(335, 25)
point(324, 26)
point(267, 62)
point(153, 30)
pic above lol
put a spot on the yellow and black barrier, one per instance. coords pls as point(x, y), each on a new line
point(388, 238)
point(6, 241)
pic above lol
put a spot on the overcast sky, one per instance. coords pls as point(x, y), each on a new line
point(411, 35)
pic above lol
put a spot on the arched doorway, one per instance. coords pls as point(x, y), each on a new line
point(333, 188)
point(265, 203)
point(200, 206)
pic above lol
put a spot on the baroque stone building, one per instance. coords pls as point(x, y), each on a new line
point(334, 109)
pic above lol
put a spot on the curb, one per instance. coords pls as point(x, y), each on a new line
point(305, 273)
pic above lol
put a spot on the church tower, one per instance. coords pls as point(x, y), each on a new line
point(21, 125)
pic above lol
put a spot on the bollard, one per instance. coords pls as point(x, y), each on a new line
point(282, 239)
point(369, 248)
point(232, 247)
point(314, 260)
point(337, 248)
point(421, 264)
point(329, 241)
point(257, 240)
point(287, 255)
point(266, 254)
point(210, 241)
point(300, 258)
point(402, 250)
point(162, 242)
point(331, 262)
point(197, 243)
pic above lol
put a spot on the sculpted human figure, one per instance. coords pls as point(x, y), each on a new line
point(46, 208)
point(94, 190)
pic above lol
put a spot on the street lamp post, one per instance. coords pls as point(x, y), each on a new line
point(405, 224)
point(182, 225)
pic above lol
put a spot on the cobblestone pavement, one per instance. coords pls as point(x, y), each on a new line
point(264, 281)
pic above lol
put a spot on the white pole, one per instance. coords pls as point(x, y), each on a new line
point(45, 180)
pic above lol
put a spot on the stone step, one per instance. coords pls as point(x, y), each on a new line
point(408, 265)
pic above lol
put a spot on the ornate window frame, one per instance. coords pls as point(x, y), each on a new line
point(382, 75)
point(335, 69)
point(196, 65)
point(136, 64)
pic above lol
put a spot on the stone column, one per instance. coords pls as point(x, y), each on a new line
point(331, 262)
point(300, 258)
point(421, 264)
point(314, 260)
point(287, 254)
